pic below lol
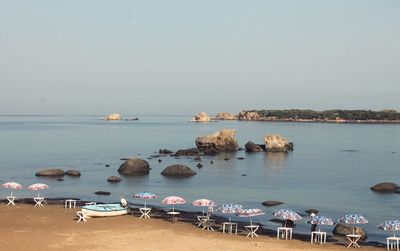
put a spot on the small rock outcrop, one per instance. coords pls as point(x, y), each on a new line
point(73, 173)
point(201, 117)
point(253, 147)
point(312, 211)
point(225, 116)
point(248, 115)
point(385, 187)
point(277, 143)
point(51, 172)
point(343, 229)
point(178, 170)
point(187, 152)
point(271, 203)
point(102, 193)
point(134, 166)
point(219, 141)
point(113, 116)
point(113, 179)
point(165, 151)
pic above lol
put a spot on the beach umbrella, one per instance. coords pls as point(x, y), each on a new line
point(173, 200)
point(250, 213)
point(204, 203)
point(145, 196)
point(38, 187)
point(12, 185)
point(353, 219)
point(230, 208)
point(390, 225)
point(287, 214)
point(320, 220)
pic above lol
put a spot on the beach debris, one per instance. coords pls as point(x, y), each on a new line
point(114, 179)
point(102, 193)
point(201, 117)
point(51, 172)
point(271, 203)
point(253, 147)
point(178, 170)
point(385, 187)
point(134, 166)
point(73, 173)
point(223, 140)
point(277, 143)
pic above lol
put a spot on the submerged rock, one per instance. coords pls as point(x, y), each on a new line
point(199, 165)
point(223, 140)
point(271, 203)
point(73, 173)
point(113, 179)
point(385, 187)
point(312, 211)
point(178, 170)
point(134, 166)
point(277, 143)
point(165, 151)
point(51, 172)
point(201, 117)
point(253, 147)
point(343, 229)
point(187, 152)
point(102, 193)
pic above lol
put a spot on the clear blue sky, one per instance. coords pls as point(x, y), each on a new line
point(182, 57)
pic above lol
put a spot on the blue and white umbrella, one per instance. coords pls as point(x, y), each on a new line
point(145, 196)
point(353, 219)
point(390, 225)
point(250, 213)
point(287, 214)
point(230, 208)
point(320, 220)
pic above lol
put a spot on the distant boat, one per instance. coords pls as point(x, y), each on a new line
point(105, 210)
point(131, 119)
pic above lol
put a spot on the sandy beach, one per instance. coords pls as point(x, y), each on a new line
point(53, 227)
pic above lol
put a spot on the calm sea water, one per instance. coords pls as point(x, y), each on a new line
point(331, 168)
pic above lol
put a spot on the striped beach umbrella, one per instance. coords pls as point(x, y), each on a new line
point(173, 200)
point(353, 219)
point(287, 214)
point(390, 225)
point(145, 196)
point(38, 187)
point(230, 208)
point(12, 185)
point(204, 203)
point(250, 213)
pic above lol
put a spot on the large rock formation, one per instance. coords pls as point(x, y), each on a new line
point(219, 141)
point(342, 229)
point(178, 170)
point(385, 187)
point(134, 166)
point(277, 143)
point(201, 117)
point(51, 172)
point(225, 116)
point(113, 116)
point(253, 147)
point(248, 115)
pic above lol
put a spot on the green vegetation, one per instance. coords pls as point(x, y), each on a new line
point(350, 115)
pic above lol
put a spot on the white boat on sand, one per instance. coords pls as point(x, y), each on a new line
point(105, 210)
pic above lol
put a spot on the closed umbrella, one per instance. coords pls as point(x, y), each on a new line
point(390, 225)
point(145, 196)
point(287, 214)
point(38, 187)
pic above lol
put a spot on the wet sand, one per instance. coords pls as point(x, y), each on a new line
point(53, 227)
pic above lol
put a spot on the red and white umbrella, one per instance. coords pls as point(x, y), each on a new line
point(173, 200)
point(204, 203)
point(12, 185)
point(37, 187)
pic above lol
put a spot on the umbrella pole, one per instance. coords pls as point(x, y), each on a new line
point(230, 219)
point(38, 195)
point(11, 193)
point(354, 229)
point(144, 203)
point(173, 208)
point(285, 222)
point(251, 223)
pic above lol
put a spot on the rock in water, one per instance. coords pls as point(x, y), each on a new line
point(253, 147)
point(342, 229)
point(178, 170)
point(271, 203)
point(201, 117)
point(225, 116)
point(165, 151)
point(113, 179)
point(277, 143)
point(52, 172)
point(134, 166)
point(248, 115)
point(186, 152)
point(312, 211)
point(219, 141)
point(73, 173)
point(102, 193)
point(113, 116)
point(385, 187)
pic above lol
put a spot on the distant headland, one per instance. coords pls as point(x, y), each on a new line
point(298, 115)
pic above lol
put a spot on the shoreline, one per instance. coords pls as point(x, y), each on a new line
point(189, 218)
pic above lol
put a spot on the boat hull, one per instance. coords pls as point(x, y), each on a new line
point(104, 210)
